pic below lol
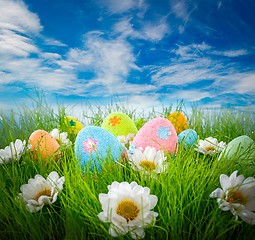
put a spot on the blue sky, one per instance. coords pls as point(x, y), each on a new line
point(148, 53)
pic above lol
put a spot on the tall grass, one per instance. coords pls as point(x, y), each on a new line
point(184, 207)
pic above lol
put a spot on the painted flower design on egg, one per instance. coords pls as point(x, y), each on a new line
point(114, 121)
point(163, 132)
point(90, 145)
point(72, 123)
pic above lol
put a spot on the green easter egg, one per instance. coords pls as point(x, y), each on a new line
point(119, 124)
point(240, 148)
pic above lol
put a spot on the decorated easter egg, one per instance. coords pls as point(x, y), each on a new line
point(43, 144)
point(187, 137)
point(242, 147)
point(179, 121)
point(73, 124)
point(158, 133)
point(119, 124)
point(94, 145)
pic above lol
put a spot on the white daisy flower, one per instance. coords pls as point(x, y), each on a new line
point(149, 160)
point(210, 146)
point(130, 137)
point(237, 195)
point(60, 137)
point(39, 192)
point(13, 152)
point(128, 208)
point(122, 139)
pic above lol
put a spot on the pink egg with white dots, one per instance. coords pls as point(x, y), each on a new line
point(158, 133)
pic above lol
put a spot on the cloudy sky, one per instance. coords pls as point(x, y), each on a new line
point(145, 52)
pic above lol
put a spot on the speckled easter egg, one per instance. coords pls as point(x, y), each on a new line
point(93, 144)
point(242, 147)
point(158, 133)
point(179, 121)
point(73, 124)
point(188, 138)
point(119, 124)
point(43, 144)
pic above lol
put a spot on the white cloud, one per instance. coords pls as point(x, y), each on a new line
point(183, 10)
point(192, 50)
point(119, 7)
point(54, 42)
point(32, 72)
point(13, 43)
point(190, 95)
point(232, 53)
point(151, 31)
point(181, 73)
point(110, 60)
point(243, 83)
point(17, 24)
point(16, 16)
point(155, 31)
point(100, 67)
point(194, 63)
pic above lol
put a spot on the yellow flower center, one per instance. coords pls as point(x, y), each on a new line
point(127, 209)
point(46, 192)
point(209, 148)
point(148, 165)
point(236, 197)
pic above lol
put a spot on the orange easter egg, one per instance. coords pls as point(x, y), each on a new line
point(179, 121)
point(43, 144)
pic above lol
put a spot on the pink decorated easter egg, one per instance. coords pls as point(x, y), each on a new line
point(158, 133)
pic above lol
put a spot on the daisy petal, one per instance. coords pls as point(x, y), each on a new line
point(247, 216)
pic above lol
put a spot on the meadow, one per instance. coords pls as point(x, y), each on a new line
point(185, 210)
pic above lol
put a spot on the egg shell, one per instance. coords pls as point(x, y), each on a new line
point(158, 133)
point(96, 144)
point(43, 144)
point(240, 148)
point(179, 121)
point(73, 124)
point(188, 138)
point(119, 124)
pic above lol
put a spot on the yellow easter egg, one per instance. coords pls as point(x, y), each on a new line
point(73, 124)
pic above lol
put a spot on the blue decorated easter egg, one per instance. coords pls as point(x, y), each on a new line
point(188, 138)
point(94, 145)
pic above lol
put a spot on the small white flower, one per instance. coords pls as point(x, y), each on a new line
point(237, 195)
point(60, 137)
point(149, 161)
point(13, 152)
point(122, 139)
point(210, 146)
point(128, 208)
point(130, 137)
point(39, 192)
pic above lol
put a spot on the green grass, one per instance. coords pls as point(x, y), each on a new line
point(185, 209)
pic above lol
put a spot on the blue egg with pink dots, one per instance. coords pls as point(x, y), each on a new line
point(188, 138)
point(94, 146)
